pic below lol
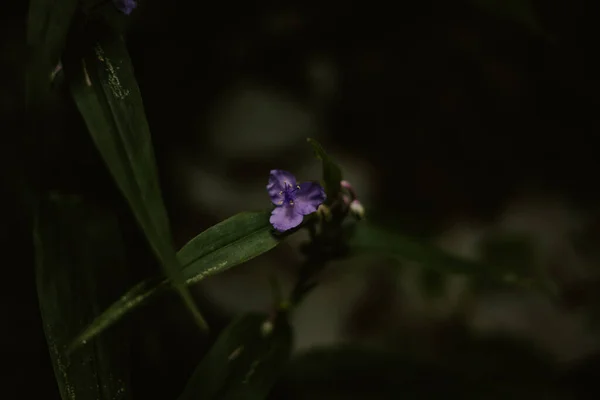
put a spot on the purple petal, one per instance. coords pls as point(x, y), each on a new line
point(285, 218)
point(309, 197)
point(278, 178)
point(125, 6)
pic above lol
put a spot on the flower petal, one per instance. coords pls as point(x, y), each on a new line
point(309, 197)
point(278, 178)
point(125, 6)
point(285, 218)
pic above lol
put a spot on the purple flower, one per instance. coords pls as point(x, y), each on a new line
point(125, 6)
point(292, 201)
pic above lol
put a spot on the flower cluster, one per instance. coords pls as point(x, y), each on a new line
point(351, 200)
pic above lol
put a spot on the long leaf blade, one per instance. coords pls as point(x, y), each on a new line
point(47, 25)
point(371, 239)
point(227, 244)
point(105, 90)
point(244, 362)
point(223, 246)
point(78, 260)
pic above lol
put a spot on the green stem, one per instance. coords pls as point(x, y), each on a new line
point(305, 283)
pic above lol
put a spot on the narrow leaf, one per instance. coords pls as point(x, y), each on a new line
point(78, 263)
point(245, 361)
point(371, 239)
point(105, 90)
point(227, 244)
point(47, 26)
point(332, 174)
point(223, 246)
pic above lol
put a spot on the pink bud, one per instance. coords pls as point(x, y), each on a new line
point(346, 185)
point(357, 209)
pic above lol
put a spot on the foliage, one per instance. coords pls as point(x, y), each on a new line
point(81, 262)
point(75, 242)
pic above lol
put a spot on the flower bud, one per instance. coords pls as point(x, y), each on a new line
point(346, 199)
point(357, 209)
point(346, 185)
point(324, 212)
point(55, 71)
point(266, 328)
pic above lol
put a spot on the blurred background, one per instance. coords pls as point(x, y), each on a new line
point(468, 124)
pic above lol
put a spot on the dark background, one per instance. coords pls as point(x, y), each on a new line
point(456, 106)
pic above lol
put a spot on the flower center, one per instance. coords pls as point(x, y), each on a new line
point(289, 193)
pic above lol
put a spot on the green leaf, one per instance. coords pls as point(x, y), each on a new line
point(225, 245)
point(245, 361)
point(79, 260)
point(371, 239)
point(332, 174)
point(47, 26)
point(105, 90)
